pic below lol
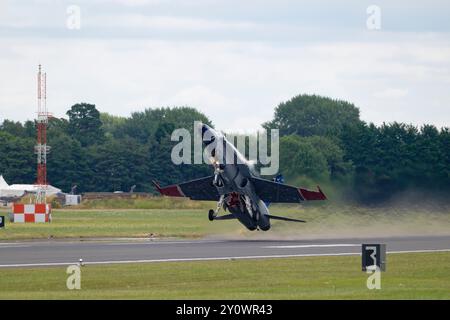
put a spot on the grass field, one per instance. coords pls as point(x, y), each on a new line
point(408, 276)
point(322, 221)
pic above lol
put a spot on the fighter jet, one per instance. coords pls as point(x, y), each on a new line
point(236, 188)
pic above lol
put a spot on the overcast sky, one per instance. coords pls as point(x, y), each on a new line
point(233, 60)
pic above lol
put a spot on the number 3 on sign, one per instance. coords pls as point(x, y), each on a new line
point(373, 255)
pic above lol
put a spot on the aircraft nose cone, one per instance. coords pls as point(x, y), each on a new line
point(204, 129)
point(208, 134)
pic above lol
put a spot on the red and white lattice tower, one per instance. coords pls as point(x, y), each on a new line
point(41, 146)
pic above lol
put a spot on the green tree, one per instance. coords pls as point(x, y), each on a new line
point(144, 125)
point(118, 165)
point(30, 129)
point(308, 115)
point(67, 163)
point(432, 157)
point(299, 157)
point(444, 164)
point(57, 126)
point(396, 157)
point(14, 128)
point(334, 155)
point(85, 124)
point(17, 159)
point(111, 124)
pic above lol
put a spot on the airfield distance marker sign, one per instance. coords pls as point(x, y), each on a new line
point(373, 255)
point(2, 222)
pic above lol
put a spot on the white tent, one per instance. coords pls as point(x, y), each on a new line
point(51, 190)
point(3, 183)
point(6, 191)
point(18, 190)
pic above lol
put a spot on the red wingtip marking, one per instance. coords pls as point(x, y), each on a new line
point(171, 191)
point(312, 195)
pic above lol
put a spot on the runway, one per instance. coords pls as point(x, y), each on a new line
point(59, 253)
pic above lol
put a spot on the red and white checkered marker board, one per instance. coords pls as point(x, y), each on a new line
point(31, 212)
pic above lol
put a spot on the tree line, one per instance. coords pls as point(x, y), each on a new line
point(321, 141)
point(325, 140)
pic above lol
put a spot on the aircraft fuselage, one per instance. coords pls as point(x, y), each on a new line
point(233, 181)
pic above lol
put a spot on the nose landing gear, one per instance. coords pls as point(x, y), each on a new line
point(213, 214)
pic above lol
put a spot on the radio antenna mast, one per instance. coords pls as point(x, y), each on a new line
point(41, 147)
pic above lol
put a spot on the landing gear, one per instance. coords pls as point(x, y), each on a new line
point(211, 215)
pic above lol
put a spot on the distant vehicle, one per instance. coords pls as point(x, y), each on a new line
point(118, 192)
point(238, 190)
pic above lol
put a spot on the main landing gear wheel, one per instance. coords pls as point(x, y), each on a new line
point(211, 215)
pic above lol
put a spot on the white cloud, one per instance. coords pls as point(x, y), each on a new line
point(134, 3)
point(391, 93)
point(235, 81)
point(166, 23)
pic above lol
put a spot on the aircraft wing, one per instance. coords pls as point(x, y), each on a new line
point(198, 189)
point(275, 192)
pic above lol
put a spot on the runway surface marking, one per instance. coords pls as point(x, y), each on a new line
point(314, 246)
point(17, 245)
point(51, 264)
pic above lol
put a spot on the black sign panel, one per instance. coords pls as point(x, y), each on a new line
point(373, 255)
point(2, 222)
